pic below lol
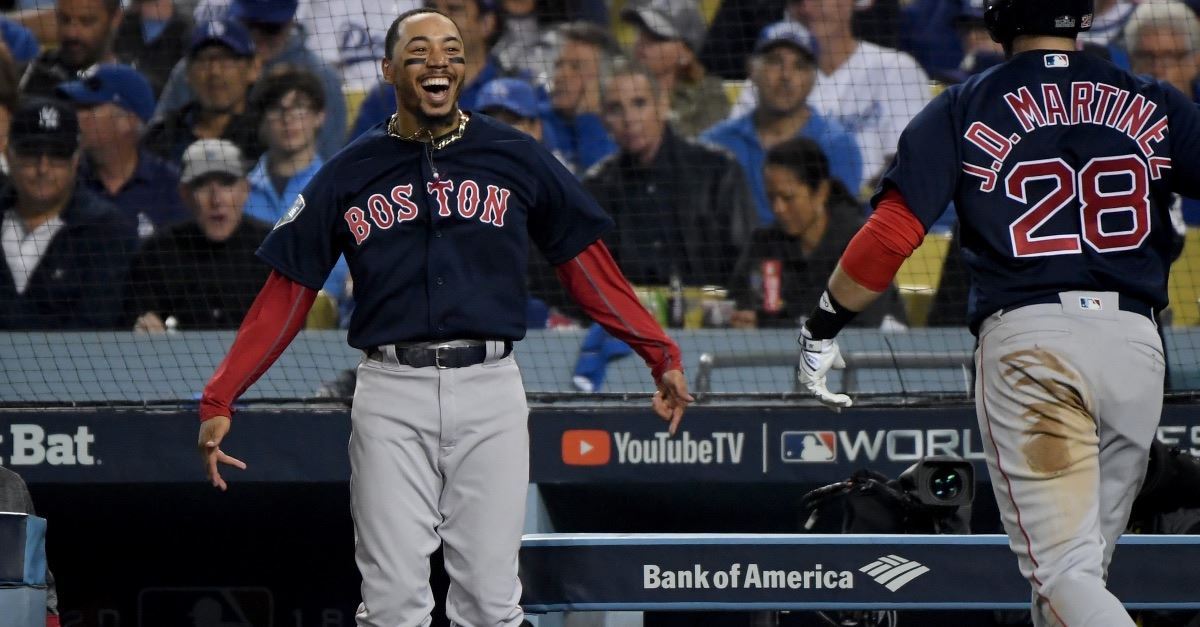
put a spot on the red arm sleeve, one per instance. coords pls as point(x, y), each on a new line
point(877, 251)
point(596, 283)
point(277, 315)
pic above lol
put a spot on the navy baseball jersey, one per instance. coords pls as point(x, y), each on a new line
point(1062, 168)
point(436, 240)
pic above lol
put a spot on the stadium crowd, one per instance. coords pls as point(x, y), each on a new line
point(146, 147)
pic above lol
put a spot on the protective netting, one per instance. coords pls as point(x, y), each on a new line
point(735, 143)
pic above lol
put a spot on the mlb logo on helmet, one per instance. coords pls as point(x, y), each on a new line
point(1064, 21)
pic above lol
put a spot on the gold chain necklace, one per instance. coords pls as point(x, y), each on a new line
point(437, 144)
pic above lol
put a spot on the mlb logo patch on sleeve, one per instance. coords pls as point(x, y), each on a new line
point(1057, 60)
point(1090, 302)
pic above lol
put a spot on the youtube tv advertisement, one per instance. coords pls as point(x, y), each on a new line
point(764, 445)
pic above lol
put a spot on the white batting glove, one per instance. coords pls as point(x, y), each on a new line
point(817, 357)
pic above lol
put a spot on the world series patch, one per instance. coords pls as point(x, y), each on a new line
point(292, 212)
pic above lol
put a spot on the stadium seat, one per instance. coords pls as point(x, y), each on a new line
point(918, 278)
point(1183, 286)
point(324, 312)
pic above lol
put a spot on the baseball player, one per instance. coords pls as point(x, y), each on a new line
point(1062, 168)
point(434, 210)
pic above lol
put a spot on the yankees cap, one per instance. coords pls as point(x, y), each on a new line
point(41, 123)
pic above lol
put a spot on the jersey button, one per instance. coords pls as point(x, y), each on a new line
point(440, 281)
point(437, 233)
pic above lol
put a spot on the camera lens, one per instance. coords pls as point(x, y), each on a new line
point(945, 484)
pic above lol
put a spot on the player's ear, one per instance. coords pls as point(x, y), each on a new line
point(386, 68)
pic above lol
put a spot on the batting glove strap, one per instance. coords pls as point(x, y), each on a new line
point(828, 318)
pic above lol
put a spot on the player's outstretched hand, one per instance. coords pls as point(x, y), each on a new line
point(817, 357)
point(212, 431)
point(672, 398)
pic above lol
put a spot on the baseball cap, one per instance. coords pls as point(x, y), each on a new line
point(669, 19)
point(44, 124)
point(510, 94)
point(263, 11)
point(111, 82)
point(786, 34)
point(229, 33)
point(212, 156)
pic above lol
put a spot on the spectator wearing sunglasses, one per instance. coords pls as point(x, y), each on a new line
point(114, 105)
point(65, 250)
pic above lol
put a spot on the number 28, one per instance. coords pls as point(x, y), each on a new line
point(1094, 204)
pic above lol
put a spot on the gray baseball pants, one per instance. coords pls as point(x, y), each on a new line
point(1068, 397)
point(439, 456)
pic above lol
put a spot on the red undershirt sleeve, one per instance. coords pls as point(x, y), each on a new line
point(596, 283)
point(277, 315)
point(877, 251)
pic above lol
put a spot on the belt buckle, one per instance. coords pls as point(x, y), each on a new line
point(437, 356)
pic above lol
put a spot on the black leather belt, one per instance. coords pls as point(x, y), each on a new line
point(1124, 303)
point(450, 355)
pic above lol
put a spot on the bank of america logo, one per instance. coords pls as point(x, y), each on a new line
point(893, 571)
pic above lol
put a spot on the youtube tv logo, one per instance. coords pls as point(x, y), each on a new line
point(586, 447)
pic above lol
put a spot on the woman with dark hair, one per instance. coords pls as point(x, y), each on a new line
point(781, 272)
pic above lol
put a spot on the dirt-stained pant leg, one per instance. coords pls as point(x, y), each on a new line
point(1066, 428)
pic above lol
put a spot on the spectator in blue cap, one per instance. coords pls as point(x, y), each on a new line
point(512, 101)
point(114, 105)
point(272, 27)
point(153, 37)
point(783, 69)
point(221, 68)
point(85, 35)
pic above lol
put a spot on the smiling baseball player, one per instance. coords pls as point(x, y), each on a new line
point(1062, 168)
point(433, 210)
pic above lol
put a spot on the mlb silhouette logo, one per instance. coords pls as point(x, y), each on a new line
point(808, 446)
point(1091, 303)
point(1057, 60)
point(206, 607)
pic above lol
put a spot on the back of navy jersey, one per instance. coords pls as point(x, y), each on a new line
point(1061, 167)
point(436, 242)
